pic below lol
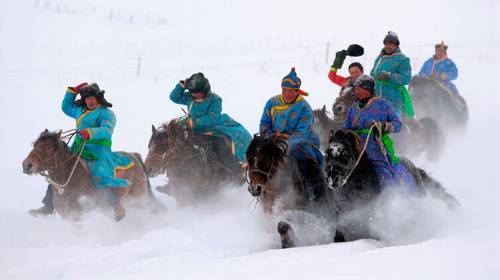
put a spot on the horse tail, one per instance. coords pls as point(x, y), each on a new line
point(434, 136)
point(435, 188)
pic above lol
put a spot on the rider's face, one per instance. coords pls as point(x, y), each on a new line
point(389, 47)
point(91, 102)
point(289, 94)
point(197, 95)
point(355, 72)
point(362, 93)
point(440, 53)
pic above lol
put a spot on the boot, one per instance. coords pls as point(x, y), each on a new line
point(42, 211)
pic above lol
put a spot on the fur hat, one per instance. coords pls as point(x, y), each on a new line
point(391, 37)
point(441, 46)
point(366, 82)
point(92, 90)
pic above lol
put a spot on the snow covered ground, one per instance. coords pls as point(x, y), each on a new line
point(244, 48)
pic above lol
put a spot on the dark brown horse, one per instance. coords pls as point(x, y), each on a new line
point(274, 179)
point(433, 99)
point(74, 192)
point(195, 172)
point(356, 186)
point(416, 136)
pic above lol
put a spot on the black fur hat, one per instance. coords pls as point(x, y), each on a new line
point(92, 90)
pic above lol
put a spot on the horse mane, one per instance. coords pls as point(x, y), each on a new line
point(275, 145)
point(349, 136)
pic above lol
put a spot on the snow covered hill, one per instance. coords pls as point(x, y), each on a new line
point(244, 48)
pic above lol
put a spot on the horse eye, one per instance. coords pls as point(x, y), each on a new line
point(48, 148)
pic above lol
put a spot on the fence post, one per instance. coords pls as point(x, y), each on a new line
point(138, 66)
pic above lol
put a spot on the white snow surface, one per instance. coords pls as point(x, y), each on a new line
point(244, 48)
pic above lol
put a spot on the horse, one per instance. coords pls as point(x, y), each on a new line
point(355, 185)
point(275, 180)
point(194, 170)
point(416, 136)
point(433, 99)
point(323, 124)
point(70, 178)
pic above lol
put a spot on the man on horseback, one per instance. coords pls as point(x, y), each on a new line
point(205, 116)
point(95, 123)
point(346, 83)
point(373, 118)
point(441, 68)
point(392, 72)
point(290, 114)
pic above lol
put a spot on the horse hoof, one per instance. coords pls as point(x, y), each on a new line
point(339, 237)
point(285, 234)
point(119, 212)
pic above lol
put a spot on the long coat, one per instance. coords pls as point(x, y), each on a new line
point(295, 119)
point(359, 119)
point(106, 167)
point(443, 69)
point(207, 118)
point(398, 65)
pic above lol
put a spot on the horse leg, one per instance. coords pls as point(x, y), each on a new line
point(118, 208)
point(287, 234)
point(339, 237)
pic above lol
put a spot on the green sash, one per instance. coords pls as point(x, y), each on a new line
point(407, 104)
point(88, 155)
point(388, 144)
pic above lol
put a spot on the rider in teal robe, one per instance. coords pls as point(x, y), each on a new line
point(106, 167)
point(205, 114)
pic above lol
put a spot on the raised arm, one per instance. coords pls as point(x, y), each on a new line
point(180, 95)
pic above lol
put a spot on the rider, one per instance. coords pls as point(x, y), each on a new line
point(205, 117)
point(346, 83)
point(95, 123)
point(376, 111)
point(290, 114)
point(441, 68)
point(392, 71)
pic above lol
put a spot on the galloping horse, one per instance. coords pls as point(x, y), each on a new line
point(355, 184)
point(69, 176)
point(432, 99)
point(193, 169)
point(416, 137)
point(274, 179)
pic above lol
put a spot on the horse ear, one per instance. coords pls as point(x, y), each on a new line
point(323, 109)
point(59, 135)
point(46, 131)
point(154, 128)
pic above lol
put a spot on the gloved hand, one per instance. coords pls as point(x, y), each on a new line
point(339, 59)
point(379, 127)
point(85, 133)
point(383, 75)
point(79, 87)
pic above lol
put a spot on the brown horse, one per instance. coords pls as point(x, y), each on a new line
point(416, 136)
point(194, 170)
point(74, 192)
point(275, 180)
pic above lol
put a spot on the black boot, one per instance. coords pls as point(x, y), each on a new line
point(48, 205)
point(226, 156)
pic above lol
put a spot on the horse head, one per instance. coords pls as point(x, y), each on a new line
point(265, 154)
point(161, 145)
point(343, 150)
point(342, 104)
point(44, 153)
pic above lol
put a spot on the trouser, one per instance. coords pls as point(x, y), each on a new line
point(225, 154)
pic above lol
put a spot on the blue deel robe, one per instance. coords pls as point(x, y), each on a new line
point(207, 119)
point(381, 110)
point(295, 119)
point(106, 167)
point(443, 69)
point(398, 65)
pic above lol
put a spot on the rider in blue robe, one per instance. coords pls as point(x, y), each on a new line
point(441, 68)
point(374, 110)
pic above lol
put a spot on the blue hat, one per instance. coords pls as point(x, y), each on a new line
point(291, 81)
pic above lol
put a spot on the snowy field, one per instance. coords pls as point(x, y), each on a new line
point(245, 50)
